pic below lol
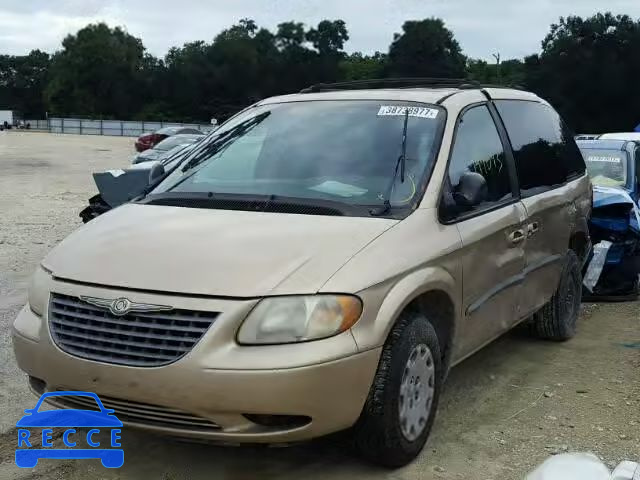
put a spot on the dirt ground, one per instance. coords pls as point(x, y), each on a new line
point(503, 411)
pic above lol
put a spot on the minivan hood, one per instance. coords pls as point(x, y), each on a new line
point(211, 252)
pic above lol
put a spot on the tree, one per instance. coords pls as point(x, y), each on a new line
point(97, 73)
point(358, 66)
point(508, 73)
point(589, 70)
point(22, 81)
point(329, 37)
point(290, 35)
point(298, 65)
point(426, 48)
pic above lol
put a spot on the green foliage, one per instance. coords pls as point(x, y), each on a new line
point(587, 68)
point(98, 72)
point(329, 37)
point(508, 73)
point(426, 48)
point(22, 81)
point(362, 67)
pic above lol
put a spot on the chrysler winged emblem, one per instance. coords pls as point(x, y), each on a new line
point(121, 306)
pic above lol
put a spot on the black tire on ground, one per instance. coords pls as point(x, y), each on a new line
point(558, 318)
point(377, 434)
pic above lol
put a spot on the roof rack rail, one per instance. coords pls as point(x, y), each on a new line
point(508, 85)
point(393, 82)
point(461, 83)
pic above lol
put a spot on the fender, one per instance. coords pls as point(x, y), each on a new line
point(373, 330)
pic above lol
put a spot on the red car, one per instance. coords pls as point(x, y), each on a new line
point(150, 140)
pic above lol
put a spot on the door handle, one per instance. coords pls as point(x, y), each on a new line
point(516, 236)
point(532, 229)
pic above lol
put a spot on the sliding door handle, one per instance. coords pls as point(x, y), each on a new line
point(516, 236)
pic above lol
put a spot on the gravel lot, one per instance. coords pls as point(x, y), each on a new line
point(503, 411)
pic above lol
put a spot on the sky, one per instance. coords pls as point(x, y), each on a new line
point(513, 28)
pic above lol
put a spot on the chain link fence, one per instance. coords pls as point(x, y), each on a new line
point(118, 128)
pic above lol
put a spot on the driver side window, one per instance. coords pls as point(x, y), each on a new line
point(478, 149)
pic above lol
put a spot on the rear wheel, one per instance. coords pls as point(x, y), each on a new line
point(558, 318)
point(400, 409)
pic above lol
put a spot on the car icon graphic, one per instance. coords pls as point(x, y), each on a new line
point(70, 419)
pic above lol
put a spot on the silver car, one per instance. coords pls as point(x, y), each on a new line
point(166, 147)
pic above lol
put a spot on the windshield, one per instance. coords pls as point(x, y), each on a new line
point(344, 151)
point(607, 168)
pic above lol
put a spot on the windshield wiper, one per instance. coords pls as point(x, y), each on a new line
point(400, 165)
point(225, 139)
point(203, 152)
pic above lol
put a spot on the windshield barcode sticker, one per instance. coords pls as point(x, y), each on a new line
point(399, 111)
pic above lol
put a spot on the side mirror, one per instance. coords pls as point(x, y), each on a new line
point(471, 190)
point(156, 172)
point(214, 121)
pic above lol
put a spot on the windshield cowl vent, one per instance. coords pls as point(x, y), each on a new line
point(248, 206)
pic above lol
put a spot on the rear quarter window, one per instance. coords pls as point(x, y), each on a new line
point(544, 149)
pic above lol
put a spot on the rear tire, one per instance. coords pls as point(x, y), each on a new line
point(558, 318)
point(399, 412)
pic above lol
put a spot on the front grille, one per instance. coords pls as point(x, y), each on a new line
point(136, 339)
point(140, 413)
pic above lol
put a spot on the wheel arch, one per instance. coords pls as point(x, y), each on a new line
point(432, 292)
point(438, 307)
point(580, 241)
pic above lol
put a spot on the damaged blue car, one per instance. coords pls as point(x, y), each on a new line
point(614, 268)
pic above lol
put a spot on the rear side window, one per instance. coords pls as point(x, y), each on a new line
point(545, 152)
point(478, 149)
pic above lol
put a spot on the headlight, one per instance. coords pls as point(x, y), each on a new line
point(299, 318)
point(39, 291)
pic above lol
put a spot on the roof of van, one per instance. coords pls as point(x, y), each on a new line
point(418, 94)
point(629, 136)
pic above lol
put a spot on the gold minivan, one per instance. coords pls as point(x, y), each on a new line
point(318, 264)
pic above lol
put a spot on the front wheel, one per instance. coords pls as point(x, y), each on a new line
point(399, 412)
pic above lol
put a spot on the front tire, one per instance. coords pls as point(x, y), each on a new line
point(558, 318)
point(400, 410)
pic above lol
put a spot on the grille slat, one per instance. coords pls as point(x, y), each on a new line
point(82, 346)
point(194, 316)
point(116, 331)
point(141, 413)
point(118, 341)
point(92, 354)
point(117, 403)
point(134, 412)
point(135, 339)
point(104, 314)
point(115, 321)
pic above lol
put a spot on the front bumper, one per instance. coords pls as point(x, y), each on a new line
point(211, 389)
